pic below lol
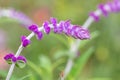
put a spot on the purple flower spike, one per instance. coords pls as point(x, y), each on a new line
point(14, 59)
point(95, 17)
point(46, 27)
point(54, 21)
point(39, 35)
point(25, 41)
point(21, 58)
point(101, 7)
point(9, 56)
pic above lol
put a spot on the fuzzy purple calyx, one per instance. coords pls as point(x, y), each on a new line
point(21, 58)
point(46, 27)
point(83, 34)
point(33, 27)
point(113, 7)
point(53, 21)
point(14, 59)
point(8, 56)
point(39, 35)
point(25, 41)
point(94, 16)
point(102, 8)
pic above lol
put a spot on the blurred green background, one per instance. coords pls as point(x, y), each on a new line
point(47, 58)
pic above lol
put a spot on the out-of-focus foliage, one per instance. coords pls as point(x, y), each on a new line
point(99, 57)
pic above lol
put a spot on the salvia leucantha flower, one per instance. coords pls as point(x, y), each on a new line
point(34, 28)
point(105, 9)
point(62, 27)
point(11, 58)
point(25, 41)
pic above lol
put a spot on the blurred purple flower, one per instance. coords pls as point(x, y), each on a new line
point(19, 16)
point(13, 58)
point(107, 8)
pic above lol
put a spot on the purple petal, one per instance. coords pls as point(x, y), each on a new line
point(101, 7)
point(95, 17)
point(47, 30)
point(25, 41)
point(83, 34)
point(46, 24)
point(113, 7)
point(67, 23)
point(14, 59)
point(53, 21)
point(23, 38)
point(39, 35)
point(21, 58)
point(8, 56)
point(46, 27)
point(33, 27)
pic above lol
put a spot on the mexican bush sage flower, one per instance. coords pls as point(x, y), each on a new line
point(25, 41)
point(9, 57)
point(62, 27)
point(20, 61)
point(21, 58)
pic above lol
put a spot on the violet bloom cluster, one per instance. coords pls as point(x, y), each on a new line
point(11, 58)
point(62, 27)
point(107, 8)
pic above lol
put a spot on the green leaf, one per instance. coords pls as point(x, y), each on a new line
point(60, 54)
point(80, 63)
point(100, 79)
point(24, 77)
point(45, 63)
point(61, 39)
point(20, 64)
point(9, 61)
point(36, 68)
